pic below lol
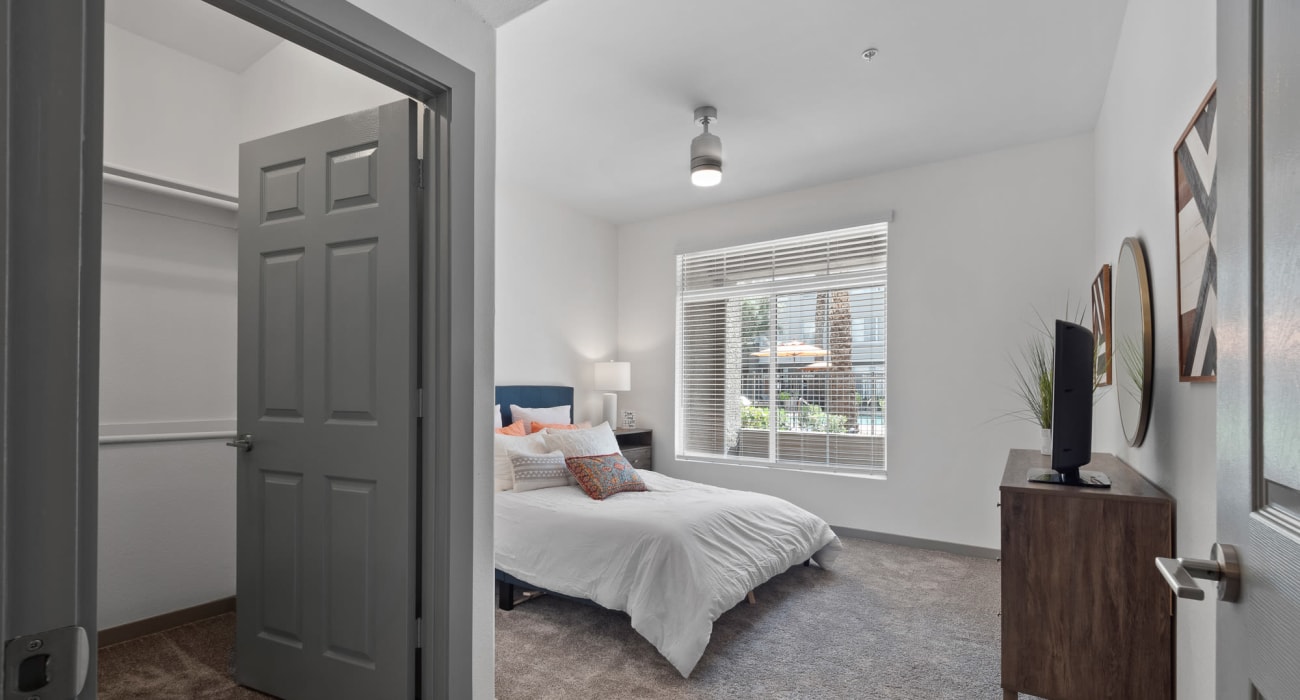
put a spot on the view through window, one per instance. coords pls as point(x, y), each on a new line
point(781, 351)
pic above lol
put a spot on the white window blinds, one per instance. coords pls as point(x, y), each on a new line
point(781, 351)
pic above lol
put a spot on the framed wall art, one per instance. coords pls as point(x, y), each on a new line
point(1101, 327)
point(1196, 192)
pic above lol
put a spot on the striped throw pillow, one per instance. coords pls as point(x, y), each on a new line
point(539, 471)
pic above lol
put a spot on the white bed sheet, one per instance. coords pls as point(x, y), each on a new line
point(674, 558)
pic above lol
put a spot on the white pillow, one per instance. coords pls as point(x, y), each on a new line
point(496, 416)
point(503, 470)
point(554, 414)
point(539, 471)
point(583, 442)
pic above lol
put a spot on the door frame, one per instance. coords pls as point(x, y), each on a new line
point(49, 313)
point(58, 280)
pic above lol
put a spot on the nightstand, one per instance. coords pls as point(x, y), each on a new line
point(637, 446)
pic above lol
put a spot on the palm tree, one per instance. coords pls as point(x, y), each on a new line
point(834, 311)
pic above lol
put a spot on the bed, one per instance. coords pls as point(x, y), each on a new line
point(674, 558)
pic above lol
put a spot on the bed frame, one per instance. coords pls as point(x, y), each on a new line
point(511, 592)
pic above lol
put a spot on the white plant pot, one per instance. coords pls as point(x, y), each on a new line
point(1046, 447)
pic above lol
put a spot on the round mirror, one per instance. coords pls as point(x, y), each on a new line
point(1132, 357)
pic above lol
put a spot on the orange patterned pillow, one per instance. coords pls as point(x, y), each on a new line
point(602, 476)
point(516, 428)
point(539, 427)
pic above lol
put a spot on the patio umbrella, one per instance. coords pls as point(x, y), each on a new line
point(792, 348)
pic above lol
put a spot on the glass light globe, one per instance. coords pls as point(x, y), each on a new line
point(706, 176)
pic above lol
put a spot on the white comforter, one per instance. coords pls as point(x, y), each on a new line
point(674, 558)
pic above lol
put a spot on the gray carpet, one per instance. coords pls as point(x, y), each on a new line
point(888, 622)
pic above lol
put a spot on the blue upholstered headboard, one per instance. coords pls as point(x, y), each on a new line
point(533, 397)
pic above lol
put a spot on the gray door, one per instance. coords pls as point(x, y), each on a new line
point(328, 332)
point(1259, 375)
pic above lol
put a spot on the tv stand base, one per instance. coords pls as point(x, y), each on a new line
point(1074, 477)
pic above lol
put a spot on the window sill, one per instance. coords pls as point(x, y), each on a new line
point(874, 475)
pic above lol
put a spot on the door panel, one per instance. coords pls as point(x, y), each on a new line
point(1281, 254)
point(1259, 377)
point(281, 557)
point(1273, 609)
point(327, 372)
point(351, 328)
point(281, 317)
point(350, 546)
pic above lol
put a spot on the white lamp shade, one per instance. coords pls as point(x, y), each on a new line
point(613, 376)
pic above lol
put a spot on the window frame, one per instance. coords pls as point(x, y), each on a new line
point(822, 282)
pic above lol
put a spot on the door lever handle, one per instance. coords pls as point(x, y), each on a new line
point(1181, 573)
point(243, 442)
point(1179, 579)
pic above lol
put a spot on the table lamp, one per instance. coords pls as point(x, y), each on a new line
point(612, 377)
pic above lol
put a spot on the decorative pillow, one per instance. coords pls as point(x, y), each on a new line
point(516, 428)
point(496, 416)
point(502, 469)
point(539, 427)
point(554, 414)
point(602, 476)
point(583, 442)
point(539, 471)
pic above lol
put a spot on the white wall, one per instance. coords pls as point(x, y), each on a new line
point(557, 292)
point(976, 244)
point(291, 87)
point(167, 348)
point(1163, 68)
point(167, 364)
point(168, 114)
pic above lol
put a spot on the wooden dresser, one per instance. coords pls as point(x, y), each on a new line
point(1085, 614)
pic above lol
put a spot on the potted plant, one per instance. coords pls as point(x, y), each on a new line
point(1033, 385)
point(1033, 377)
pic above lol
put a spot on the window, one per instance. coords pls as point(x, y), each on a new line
point(781, 352)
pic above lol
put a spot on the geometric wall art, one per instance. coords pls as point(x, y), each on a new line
point(1196, 193)
point(1101, 328)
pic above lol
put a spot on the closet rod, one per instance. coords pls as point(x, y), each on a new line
point(165, 437)
point(160, 185)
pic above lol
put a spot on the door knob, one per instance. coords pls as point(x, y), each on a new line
point(1223, 566)
point(243, 442)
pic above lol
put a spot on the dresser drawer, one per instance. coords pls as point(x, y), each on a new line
point(640, 457)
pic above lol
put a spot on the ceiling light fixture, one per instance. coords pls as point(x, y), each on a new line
point(706, 151)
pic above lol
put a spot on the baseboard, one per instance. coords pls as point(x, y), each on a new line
point(968, 550)
point(165, 621)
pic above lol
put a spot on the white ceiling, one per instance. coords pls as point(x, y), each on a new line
point(194, 28)
point(595, 97)
point(498, 12)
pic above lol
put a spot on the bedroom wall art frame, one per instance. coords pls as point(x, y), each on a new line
point(1101, 327)
point(1195, 205)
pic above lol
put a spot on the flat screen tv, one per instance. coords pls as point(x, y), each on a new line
point(1072, 379)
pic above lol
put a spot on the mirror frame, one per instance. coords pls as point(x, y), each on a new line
point(1134, 246)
